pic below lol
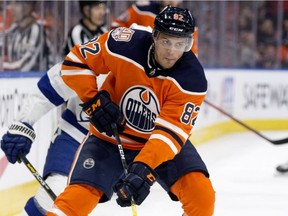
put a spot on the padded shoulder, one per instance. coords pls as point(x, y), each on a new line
point(130, 43)
point(189, 74)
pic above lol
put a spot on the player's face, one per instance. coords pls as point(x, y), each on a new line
point(18, 11)
point(168, 49)
point(97, 14)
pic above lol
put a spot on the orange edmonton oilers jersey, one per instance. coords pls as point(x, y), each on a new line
point(144, 14)
point(160, 111)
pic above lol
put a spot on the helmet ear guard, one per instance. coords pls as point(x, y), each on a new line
point(189, 45)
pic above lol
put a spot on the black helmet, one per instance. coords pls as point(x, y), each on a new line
point(175, 21)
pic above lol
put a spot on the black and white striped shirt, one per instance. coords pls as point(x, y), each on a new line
point(80, 34)
point(26, 48)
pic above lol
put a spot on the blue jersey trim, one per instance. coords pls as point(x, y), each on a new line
point(70, 117)
point(48, 91)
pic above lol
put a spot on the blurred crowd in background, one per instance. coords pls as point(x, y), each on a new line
point(231, 34)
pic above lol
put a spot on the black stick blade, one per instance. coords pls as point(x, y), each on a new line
point(279, 142)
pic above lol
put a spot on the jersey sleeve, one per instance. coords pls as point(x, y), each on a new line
point(82, 66)
point(49, 93)
point(177, 118)
point(141, 15)
point(126, 19)
point(172, 129)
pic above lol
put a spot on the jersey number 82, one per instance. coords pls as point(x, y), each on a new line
point(187, 115)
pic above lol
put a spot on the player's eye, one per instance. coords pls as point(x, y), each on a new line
point(165, 43)
point(180, 46)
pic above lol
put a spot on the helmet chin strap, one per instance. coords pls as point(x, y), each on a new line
point(154, 67)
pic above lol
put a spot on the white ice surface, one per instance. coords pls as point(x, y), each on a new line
point(242, 169)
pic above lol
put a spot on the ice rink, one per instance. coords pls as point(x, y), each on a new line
point(242, 169)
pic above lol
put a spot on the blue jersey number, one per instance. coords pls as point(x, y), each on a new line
point(187, 114)
point(86, 48)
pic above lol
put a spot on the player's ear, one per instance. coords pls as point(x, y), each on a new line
point(155, 34)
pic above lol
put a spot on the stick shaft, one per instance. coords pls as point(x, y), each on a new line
point(124, 163)
point(38, 177)
point(275, 142)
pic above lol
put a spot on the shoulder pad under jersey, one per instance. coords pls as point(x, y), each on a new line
point(130, 43)
point(189, 73)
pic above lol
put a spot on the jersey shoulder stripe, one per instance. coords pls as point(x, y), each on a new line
point(75, 64)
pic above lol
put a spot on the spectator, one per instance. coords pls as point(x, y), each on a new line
point(247, 55)
point(144, 12)
point(8, 18)
point(266, 32)
point(284, 44)
point(26, 48)
point(266, 45)
point(245, 19)
point(5, 23)
point(90, 25)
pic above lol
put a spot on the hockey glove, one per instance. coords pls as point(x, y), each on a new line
point(103, 112)
point(17, 140)
point(136, 184)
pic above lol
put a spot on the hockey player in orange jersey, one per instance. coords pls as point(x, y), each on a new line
point(152, 95)
point(144, 12)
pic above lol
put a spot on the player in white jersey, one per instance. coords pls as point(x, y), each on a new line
point(72, 128)
point(73, 124)
point(90, 25)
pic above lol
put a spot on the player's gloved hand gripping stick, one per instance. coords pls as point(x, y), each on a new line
point(124, 163)
point(16, 144)
point(102, 111)
point(135, 186)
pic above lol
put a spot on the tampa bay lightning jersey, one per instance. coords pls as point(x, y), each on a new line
point(52, 92)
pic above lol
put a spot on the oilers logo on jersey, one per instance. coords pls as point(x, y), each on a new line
point(140, 107)
point(89, 163)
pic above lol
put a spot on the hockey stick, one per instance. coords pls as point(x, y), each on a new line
point(37, 176)
point(124, 163)
point(275, 142)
